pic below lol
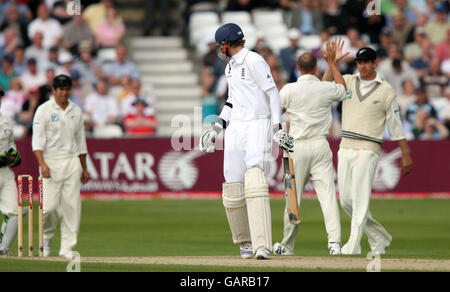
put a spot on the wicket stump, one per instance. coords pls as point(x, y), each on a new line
point(30, 216)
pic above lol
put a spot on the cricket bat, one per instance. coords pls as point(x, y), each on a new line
point(290, 190)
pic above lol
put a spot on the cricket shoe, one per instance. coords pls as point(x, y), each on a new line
point(262, 253)
point(68, 256)
point(346, 249)
point(334, 248)
point(246, 250)
point(280, 249)
point(5, 253)
point(379, 246)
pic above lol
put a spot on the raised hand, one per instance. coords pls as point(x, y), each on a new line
point(340, 55)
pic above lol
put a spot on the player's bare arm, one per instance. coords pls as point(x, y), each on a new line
point(330, 55)
point(85, 174)
point(406, 160)
point(340, 55)
point(45, 170)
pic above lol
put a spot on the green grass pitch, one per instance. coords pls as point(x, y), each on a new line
point(420, 229)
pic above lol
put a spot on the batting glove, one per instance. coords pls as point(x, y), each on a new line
point(14, 157)
point(283, 139)
point(208, 138)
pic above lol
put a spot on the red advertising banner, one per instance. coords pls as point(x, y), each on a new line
point(154, 167)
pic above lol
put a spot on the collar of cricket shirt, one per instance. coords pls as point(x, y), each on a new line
point(308, 77)
point(377, 78)
point(240, 56)
point(56, 106)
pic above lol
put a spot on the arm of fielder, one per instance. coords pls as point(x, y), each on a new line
point(45, 171)
point(406, 160)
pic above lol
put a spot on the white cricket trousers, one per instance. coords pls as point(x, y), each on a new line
point(8, 192)
point(62, 199)
point(356, 172)
point(313, 160)
point(247, 144)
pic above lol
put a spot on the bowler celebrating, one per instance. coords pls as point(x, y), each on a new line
point(251, 113)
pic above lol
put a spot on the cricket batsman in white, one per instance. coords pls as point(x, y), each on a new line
point(9, 158)
point(59, 144)
point(250, 116)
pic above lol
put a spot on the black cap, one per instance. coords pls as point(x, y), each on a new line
point(61, 81)
point(367, 54)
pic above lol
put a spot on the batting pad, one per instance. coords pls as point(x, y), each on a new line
point(258, 208)
point(236, 210)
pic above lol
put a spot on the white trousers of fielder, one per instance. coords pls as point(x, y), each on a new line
point(8, 192)
point(356, 173)
point(313, 160)
point(62, 199)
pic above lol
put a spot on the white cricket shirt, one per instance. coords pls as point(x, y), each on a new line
point(248, 76)
point(59, 133)
point(6, 134)
point(308, 103)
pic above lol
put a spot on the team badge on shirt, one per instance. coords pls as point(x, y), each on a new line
point(55, 117)
point(348, 94)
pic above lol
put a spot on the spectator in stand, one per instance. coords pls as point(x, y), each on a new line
point(373, 26)
point(33, 78)
point(140, 123)
point(51, 61)
point(394, 53)
point(413, 50)
point(306, 18)
point(58, 9)
point(443, 48)
point(435, 82)
point(434, 130)
point(25, 13)
point(437, 29)
point(110, 33)
point(288, 55)
point(75, 32)
point(422, 64)
point(101, 108)
point(121, 67)
point(402, 30)
point(20, 64)
point(13, 100)
point(126, 105)
point(385, 40)
point(19, 25)
point(7, 72)
point(10, 43)
point(65, 59)
point(336, 19)
point(402, 6)
point(46, 90)
point(95, 14)
point(126, 84)
point(418, 111)
point(397, 74)
point(50, 28)
point(34, 100)
point(37, 50)
point(407, 97)
point(77, 93)
point(444, 114)
point(88, 67)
